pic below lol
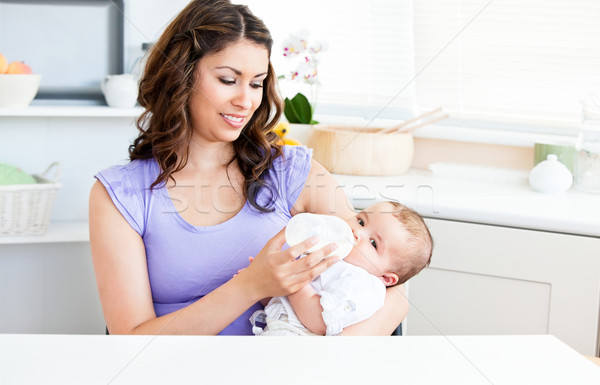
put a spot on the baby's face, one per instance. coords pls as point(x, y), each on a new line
point(379, 239)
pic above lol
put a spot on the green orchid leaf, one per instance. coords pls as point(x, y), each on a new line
point(303, 108)
point(290, 111)
point(298, 110)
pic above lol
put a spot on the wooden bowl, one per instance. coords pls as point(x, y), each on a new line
point(361, 151)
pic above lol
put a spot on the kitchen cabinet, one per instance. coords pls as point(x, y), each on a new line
point(497, 280)
point(49, 288)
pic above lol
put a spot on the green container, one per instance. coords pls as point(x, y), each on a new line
point(564, 151)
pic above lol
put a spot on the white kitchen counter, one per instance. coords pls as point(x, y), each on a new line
point(498, 360)
point(506, 204)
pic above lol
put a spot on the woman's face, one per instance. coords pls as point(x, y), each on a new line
point(229, 88)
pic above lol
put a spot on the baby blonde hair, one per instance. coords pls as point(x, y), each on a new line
point(419, 245)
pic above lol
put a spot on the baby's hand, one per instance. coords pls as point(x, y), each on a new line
point(250, 259)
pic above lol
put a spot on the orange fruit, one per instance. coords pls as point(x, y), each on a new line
point(18, 68)
point(3, 64)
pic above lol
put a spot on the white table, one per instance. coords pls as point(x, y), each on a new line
point(76, 359)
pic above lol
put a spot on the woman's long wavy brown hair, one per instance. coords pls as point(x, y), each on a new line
point(202, 28)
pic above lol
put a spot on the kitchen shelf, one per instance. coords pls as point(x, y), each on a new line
point(58, 232)
point(71, 111)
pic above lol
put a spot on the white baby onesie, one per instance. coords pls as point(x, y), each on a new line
point(349, 294)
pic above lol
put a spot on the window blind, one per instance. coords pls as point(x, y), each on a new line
point(370, 62)
point(507, 60)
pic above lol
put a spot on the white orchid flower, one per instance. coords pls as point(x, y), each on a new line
point(319, 46)
point(292, 47)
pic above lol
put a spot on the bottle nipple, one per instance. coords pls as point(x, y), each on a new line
point(328, 228)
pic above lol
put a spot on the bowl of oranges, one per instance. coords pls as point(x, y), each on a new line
point(18, 84)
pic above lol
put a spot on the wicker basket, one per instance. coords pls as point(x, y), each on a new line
point(25, 208)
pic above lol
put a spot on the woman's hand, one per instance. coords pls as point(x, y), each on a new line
point(276, 273)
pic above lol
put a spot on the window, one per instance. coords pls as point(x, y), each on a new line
point(507, 63)
point(369, 64)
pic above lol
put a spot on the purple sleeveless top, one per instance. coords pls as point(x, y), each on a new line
point(186, 262)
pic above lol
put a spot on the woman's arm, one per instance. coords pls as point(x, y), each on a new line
point(119, 260)
point(322, 195)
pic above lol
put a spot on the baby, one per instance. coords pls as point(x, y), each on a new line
point(392, 244)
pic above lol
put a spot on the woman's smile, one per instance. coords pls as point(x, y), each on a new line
point(236, 121)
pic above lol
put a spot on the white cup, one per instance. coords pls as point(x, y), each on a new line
point(120, 91)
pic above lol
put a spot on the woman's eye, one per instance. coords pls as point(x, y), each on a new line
point(256, 85)
point(227, 81)
point(361, 222)
point(373, 243)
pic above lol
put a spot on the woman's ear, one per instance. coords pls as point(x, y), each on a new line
point(390, 279)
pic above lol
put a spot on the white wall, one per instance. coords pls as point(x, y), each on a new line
point(144, 22)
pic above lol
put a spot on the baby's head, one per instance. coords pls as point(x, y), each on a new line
point(392, 242)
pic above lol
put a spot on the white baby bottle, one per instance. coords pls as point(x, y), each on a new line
point(329, 229)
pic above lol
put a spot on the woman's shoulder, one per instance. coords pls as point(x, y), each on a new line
point(140, 172)
point(133, 166)
point(293, 155)
point(291, 151)
point(129, 188)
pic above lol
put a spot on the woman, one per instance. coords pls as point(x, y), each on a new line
point(207, 187)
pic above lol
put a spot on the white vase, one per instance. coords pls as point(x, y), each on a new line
point(550, 176)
